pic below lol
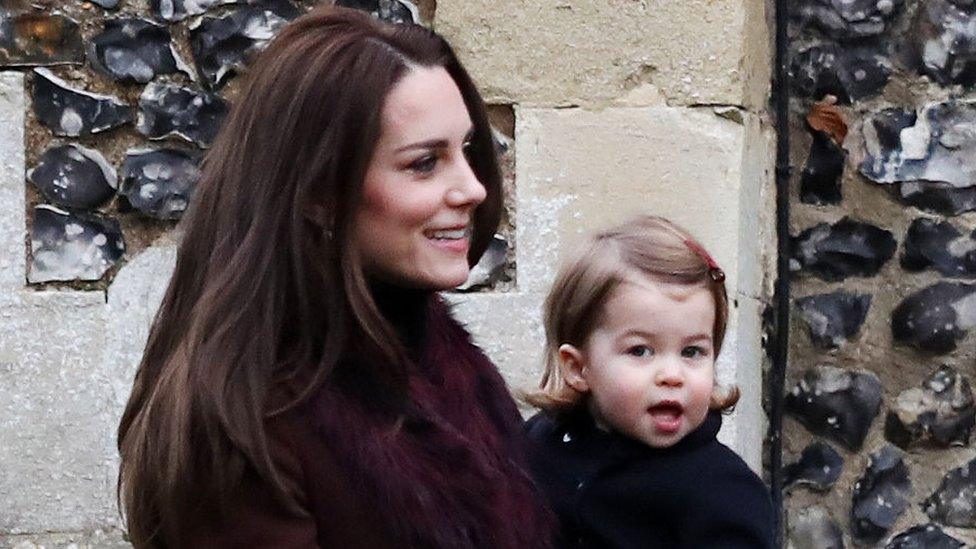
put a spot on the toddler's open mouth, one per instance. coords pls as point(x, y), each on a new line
point(667, 416)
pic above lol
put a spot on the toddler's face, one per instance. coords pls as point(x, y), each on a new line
point(649, 365)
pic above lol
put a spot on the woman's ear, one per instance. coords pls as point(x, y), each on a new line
point(572, 366)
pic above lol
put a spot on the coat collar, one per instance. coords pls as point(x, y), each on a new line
point(461, 436)
point(579, 430)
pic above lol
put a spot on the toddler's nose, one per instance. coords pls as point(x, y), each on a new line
point(669, 374)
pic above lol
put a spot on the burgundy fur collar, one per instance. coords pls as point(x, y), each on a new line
point(452, 473)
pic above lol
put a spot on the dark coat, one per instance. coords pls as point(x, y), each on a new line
point(612, 491)
point(450, 473)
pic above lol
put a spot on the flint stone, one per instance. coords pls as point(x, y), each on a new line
point(881, 495)
point(941, 413)
point(850, 74)
point(847, 20)
point(940, 246)
point(937, 145)
point(395, 11)
point(172, 110)
point(74, 177)
point(812, 528)
point(160, 182)
point(819, 467)
point(943, 43)
point(70, 112)
point(72, 246)
point(178, 10)
point(847, 248)
point(134, 50)
point(491, 266)
point(836, 403)
point(937, 197)
point(222, 46)
point(833, 318)
point(503, 143)
point(935, 318)
point(820, 180)
point(924, 536)
point(29, 39)
point(954, 502)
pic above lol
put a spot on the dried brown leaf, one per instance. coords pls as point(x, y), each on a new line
point(824, 116)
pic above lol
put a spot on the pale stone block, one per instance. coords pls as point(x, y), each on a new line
point(67, 359)
point(56, 463)
point(96, 539)
point(580, 170)
point(132, 302)
point(509, 329)
point(553, 52)
point(741, 364)
point(757, 206)
point(12, 169)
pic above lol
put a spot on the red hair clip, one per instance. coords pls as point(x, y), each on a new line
point(714, 271)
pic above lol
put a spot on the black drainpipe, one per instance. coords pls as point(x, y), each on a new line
point(781, 297)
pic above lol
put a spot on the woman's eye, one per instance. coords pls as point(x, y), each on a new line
point(467, 150)
point(640, 351)
point(424, 164)
point(693, 352)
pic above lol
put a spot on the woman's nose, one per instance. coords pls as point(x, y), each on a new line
point(466, 189)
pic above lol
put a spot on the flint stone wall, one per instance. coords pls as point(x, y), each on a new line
point(878, 437)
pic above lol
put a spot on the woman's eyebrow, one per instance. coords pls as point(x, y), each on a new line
point(435, 143)
point(429, 144)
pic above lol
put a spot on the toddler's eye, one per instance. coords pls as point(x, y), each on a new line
point(693, 351)
point(424, 165)
point(640, 351)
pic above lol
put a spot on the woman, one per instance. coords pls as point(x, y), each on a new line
point(302, 384)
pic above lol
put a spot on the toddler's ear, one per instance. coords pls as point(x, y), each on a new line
point(572, 365)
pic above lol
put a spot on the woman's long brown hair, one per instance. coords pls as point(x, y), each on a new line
point(267, 295)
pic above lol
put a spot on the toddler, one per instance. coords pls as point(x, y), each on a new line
point(625, 446)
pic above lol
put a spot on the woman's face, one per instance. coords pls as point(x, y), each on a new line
point(414, 225)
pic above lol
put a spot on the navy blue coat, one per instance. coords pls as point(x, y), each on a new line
point(612, 491)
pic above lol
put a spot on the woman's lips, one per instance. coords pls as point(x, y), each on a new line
point(451, 239)
point(455, 245)
point(667, 416)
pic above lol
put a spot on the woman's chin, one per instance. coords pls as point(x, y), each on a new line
point(440, 279)
point(452, 280)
